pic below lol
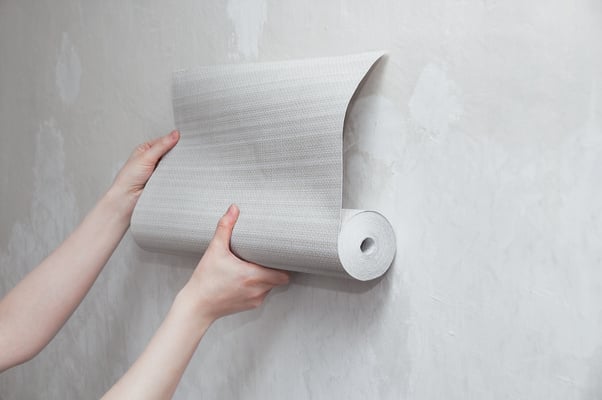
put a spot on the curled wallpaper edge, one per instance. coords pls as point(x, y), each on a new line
point(268, 137)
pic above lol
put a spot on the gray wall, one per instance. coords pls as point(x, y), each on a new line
point(480, 137)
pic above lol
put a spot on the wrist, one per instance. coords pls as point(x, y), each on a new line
point(187, 302)
point(119, 202)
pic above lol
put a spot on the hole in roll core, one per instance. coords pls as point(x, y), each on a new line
point(367, 245)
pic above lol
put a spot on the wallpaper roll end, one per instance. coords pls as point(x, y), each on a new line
point(366, 244)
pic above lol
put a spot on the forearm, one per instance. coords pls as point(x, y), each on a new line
point(221, 284)
point(158, 370)
point(33, 311)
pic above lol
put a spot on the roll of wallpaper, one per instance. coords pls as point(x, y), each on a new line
point(268, 137)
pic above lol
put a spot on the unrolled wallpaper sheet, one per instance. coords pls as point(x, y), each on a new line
point(268, 137)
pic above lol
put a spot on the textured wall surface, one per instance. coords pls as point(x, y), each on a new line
point(480, 137)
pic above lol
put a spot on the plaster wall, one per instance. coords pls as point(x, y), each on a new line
point(480, 137)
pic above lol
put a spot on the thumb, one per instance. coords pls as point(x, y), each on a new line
point(225, 226)
point(161, 146)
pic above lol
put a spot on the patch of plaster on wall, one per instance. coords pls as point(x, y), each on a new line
point(248, 18)
point(435, 104)
point(53, 211)
point(68, 71)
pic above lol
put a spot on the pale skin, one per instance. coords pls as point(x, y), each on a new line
point(35, 310)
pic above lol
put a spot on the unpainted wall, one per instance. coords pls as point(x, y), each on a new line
point(480, 137)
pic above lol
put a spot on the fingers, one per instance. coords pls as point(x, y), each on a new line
point(157, 148)
point(272, 277)
point(263, 282)
point(258, 274)
point(225, 226)
point(276, 277)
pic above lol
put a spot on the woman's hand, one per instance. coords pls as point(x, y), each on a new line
point(32, 313)
point(222, 283)
point(130, 181)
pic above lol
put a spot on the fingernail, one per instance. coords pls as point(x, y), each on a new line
point(174, 134)
point(232, 209)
